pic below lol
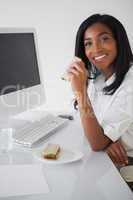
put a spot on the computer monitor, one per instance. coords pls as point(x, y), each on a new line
point(21, 85)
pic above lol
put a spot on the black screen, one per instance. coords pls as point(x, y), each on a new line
point(18, 62)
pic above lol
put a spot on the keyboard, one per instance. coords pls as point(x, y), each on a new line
point(32, 132)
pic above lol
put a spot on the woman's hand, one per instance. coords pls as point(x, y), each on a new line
point(117, 153)
point(77, 74)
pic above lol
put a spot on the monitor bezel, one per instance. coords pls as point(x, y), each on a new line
point(4, 110)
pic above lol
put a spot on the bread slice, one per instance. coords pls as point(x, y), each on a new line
point(51, 151)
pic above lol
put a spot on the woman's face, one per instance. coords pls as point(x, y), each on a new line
point(100, 47)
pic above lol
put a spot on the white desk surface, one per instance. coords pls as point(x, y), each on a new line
point(95, 177)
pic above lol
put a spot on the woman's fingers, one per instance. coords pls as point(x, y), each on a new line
point(123, 154)
point(76, 68)
point(74, 72)
point(78, 64)
point(77, 75)
point(117, 153)
point(111, 155)
point(114, 156)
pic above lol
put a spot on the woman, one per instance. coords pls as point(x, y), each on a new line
point(101, 77)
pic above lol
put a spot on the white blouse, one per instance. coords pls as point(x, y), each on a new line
point(114, 112)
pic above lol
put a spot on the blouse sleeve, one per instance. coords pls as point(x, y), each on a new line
point(118, 119)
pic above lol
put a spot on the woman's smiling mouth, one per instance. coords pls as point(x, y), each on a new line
point(99, 58)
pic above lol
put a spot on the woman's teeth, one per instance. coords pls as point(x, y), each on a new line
point(99, 57)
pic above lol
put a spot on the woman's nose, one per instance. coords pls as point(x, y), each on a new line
point(97, 46)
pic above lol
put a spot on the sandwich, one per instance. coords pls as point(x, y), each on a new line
point(51, 151)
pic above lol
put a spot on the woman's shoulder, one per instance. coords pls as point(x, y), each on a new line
point(129, 74)
point(131, 69)
point(127, 83)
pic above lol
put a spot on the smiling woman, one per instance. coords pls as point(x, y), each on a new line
point(105, 102)
point(100, 47)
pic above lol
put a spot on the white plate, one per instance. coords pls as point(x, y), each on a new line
point(65, 156)
point(127, 173)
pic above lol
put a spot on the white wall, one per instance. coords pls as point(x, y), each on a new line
point(56, 23)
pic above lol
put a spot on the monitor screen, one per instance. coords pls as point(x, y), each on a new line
point(18, 62)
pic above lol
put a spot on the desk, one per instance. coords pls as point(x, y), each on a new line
point(95, 177)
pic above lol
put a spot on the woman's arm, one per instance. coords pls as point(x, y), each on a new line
point(78, 75)
point(92, 128)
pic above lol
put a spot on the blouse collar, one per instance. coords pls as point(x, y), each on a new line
point(100, 82)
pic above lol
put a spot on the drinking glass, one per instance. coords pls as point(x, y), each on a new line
point(6, 137)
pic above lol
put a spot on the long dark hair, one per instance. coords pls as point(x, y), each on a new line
point(124, 57)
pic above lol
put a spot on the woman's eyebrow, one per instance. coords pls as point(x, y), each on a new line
point(102, 33)
point(107, 33)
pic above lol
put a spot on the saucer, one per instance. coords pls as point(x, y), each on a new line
point(65, 156)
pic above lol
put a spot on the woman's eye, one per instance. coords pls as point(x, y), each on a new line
point(88, 44)
point(105, 38)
